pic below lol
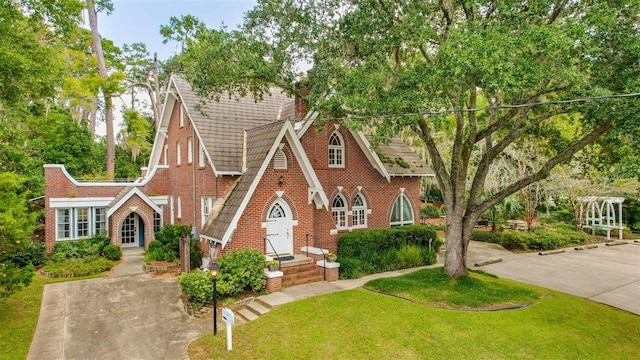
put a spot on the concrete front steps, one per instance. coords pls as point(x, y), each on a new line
point(300, 270)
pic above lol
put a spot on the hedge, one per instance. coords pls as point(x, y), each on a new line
point(373, 251)
point(539, 238)
point(356, 243)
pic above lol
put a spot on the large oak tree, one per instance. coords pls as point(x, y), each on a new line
point(489, 74)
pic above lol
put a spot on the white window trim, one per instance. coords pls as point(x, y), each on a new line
point(206, 203)
point(178, 153)
point(190, 150)
point(340, 211)
point(402, 222)
point(70, 222)
point(166, 155)
point(172, 210)
point(179, 207)
point(201, 155)
point(337, 148)
point(363, 209)
point(87, 220)
point(181, 121)
point(92, 229)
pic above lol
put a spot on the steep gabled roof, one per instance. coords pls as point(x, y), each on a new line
point(219, 125)
point(394, 158)
point(264, 142)
point(126, 194)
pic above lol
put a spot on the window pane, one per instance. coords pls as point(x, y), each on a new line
point(64, 223)
point(100, 220)
point(407, 214)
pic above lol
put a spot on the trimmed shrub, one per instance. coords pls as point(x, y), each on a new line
point(89, 247)
point(484, 236)
point(356, 243)
point(430, 211)
point(155, 244)
point(371, 251)
point(78, 267)
point(197, 287)
point(112, 252)
point(241, 270)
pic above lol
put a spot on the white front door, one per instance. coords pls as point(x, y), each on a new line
point(279, 229)
point(129, 231)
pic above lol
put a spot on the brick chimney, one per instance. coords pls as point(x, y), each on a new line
point(303, 88)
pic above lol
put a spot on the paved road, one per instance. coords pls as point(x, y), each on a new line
point(607, 274)
point(129, 316)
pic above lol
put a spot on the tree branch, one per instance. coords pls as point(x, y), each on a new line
point(442, 176)
point(544, 171)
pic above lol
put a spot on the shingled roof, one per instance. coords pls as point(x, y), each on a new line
point(220, 124)
point(264, 139)
point(399, 160)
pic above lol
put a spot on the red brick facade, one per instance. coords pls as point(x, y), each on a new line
point(179, 187)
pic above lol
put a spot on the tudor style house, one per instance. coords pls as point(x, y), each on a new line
point(244, 174)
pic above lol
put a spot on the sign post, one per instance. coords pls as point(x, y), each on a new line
point(228, 317)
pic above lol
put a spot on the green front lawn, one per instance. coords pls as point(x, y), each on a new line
point(19, 316)
point(362, 324)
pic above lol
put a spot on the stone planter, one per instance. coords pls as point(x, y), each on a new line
point(331, 258)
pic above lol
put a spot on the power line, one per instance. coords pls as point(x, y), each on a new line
point(499, 107)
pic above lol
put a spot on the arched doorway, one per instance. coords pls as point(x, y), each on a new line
point(279, 229)
point(132, 231)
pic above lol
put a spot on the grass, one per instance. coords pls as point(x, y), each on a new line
point(361, 324)
point(478, 290)
point(19, 316)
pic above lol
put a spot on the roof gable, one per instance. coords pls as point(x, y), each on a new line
point(260, 151)
point(125, 195)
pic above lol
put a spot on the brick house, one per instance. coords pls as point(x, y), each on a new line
point(244, 174)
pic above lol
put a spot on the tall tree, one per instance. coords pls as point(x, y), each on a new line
point(376, 58)
point(142, 73)
point(107, 86)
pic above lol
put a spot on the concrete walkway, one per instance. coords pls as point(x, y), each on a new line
point(607, 274)
point(131, 315)
point(136, 316)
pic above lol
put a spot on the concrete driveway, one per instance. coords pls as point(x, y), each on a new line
point(606, 274)
point(129, 316)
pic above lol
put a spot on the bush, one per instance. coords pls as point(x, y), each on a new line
point(197, 287)
point(195, 254)
point(429, 257)
point(159, 254)
point(155, 244)
point(23, 254)
point(78, 267)
point(241, 270)
point(430, 211)
point(14, 278)
point(371, 251)
point(89, 247)
point(349, 268)
point(484, 236)
point(356, 243)
point(410, 256)
point(112, 252)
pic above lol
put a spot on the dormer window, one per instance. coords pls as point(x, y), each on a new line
point(336, 150)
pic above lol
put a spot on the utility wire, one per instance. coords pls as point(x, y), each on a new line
point(499, 107)
point(451, 111)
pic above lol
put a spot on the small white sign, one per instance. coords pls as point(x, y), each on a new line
point(228, 316)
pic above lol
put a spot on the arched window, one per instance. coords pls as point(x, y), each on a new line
point(359, 211)
point(336, 150)
point(402, 212)
point(339, 211)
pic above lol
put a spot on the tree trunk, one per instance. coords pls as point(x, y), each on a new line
point(457, 237)
point(102, 70)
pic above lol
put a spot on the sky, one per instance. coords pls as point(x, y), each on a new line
point(139, 20)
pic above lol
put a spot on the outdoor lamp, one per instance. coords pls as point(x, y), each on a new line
point(213, 271)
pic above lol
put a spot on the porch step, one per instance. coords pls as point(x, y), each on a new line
point(257, 308)
point(247, 315)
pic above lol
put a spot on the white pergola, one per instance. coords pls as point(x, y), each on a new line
point(600, 213)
